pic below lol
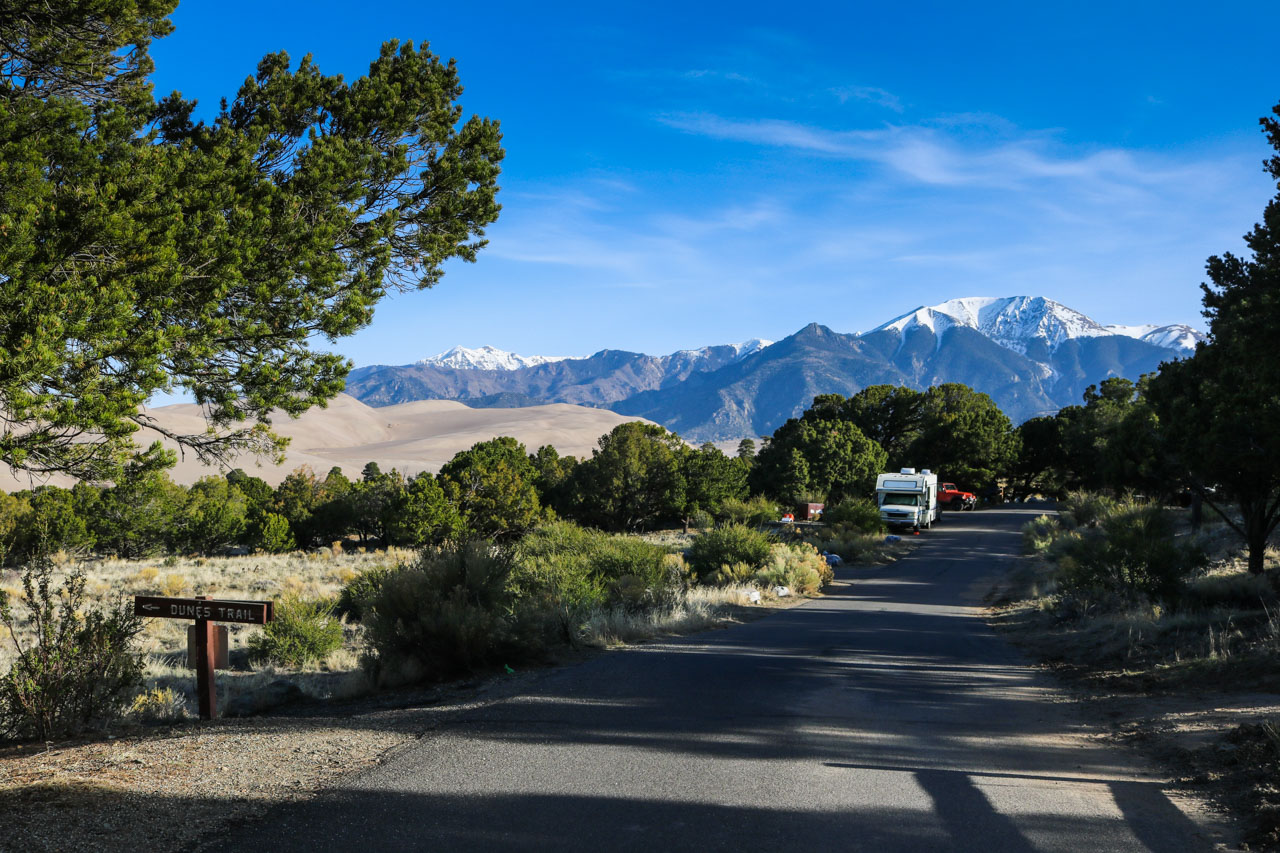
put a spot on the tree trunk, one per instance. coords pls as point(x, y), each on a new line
point(1257, 554)
point(1256, 531)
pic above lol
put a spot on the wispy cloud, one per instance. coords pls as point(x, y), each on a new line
point(870, 94)
point(716, 74)
point(929, 155)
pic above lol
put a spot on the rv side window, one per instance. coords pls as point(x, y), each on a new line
point(901, 500)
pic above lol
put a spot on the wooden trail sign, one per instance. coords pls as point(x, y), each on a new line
point(253, 612)
point(206, 612)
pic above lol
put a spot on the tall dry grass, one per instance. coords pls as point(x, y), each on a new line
point(163, 642)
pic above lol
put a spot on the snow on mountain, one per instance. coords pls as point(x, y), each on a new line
point(740, 350)
point(751, 347)
point(492, 358)
point(1011, 321)
point(487, 358)
point(1016, 321)
point(1174, 336)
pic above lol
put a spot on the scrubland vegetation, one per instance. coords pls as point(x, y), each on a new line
point(352, 620)
point(1127, 598)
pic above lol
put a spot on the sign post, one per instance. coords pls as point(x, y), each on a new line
point(206, 612)
point(205, 639)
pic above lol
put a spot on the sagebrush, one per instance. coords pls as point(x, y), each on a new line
point(77, 666)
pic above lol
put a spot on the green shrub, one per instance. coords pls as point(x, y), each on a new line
point(571, 569)
point(800, 568)
point(851, 547)
point(701, 520)
point(1086, 509)
point(1039, 533)
point(1132, 551)
point(79, 669)
point(753, 513)
point(727, 546)
point(359, 591)
point(303, 631)
point(860, 514)
point(447, 614)
point(732, 573)
point(273, 534)
point(551, 573)
point(625, 557)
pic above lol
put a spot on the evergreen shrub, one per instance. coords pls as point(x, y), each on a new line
point(568, 570)
point(358, 592)
point(1122, 548)
point(1039, 533)
point(727, 546)
point(304, 631)
point(860, 514)
point(752, 512)
point(448, 614)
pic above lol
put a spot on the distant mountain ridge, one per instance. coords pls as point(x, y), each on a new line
point(491, 358)
point(487, 358)
point(1030, 354)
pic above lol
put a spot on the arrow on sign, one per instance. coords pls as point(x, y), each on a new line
point(150, 607)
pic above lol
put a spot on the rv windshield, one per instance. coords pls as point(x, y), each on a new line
point(901, 500)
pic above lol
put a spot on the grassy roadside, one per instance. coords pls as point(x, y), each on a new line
point(169, 689)
point(1194, 680)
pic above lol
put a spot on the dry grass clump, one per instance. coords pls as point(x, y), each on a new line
point(697, 609)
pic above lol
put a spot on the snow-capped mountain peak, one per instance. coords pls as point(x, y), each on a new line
point(715, 354)
point(1016, 321)
point(751, 347)
point(1173, 336)
point(487, 358)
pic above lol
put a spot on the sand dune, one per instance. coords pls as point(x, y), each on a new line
point(410, 437)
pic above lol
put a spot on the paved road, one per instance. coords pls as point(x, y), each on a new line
point(885, 716)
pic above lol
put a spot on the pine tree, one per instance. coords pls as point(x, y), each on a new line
point(142, 251)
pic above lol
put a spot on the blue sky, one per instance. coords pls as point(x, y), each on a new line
point(698, 173)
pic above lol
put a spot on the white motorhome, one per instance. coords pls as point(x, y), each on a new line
point(908, 499)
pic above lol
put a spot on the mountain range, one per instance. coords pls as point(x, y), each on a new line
point(1030, 354)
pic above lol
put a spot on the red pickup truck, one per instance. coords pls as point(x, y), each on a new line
point(951, 498)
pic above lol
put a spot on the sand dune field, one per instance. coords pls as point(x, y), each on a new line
point(410, 437)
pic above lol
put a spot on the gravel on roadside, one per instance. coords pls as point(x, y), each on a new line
point(165, 789)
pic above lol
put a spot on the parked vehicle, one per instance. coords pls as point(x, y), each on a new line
point(952, 499)
point(908, 499)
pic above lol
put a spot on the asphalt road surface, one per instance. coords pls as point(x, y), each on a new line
point(885, 716)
